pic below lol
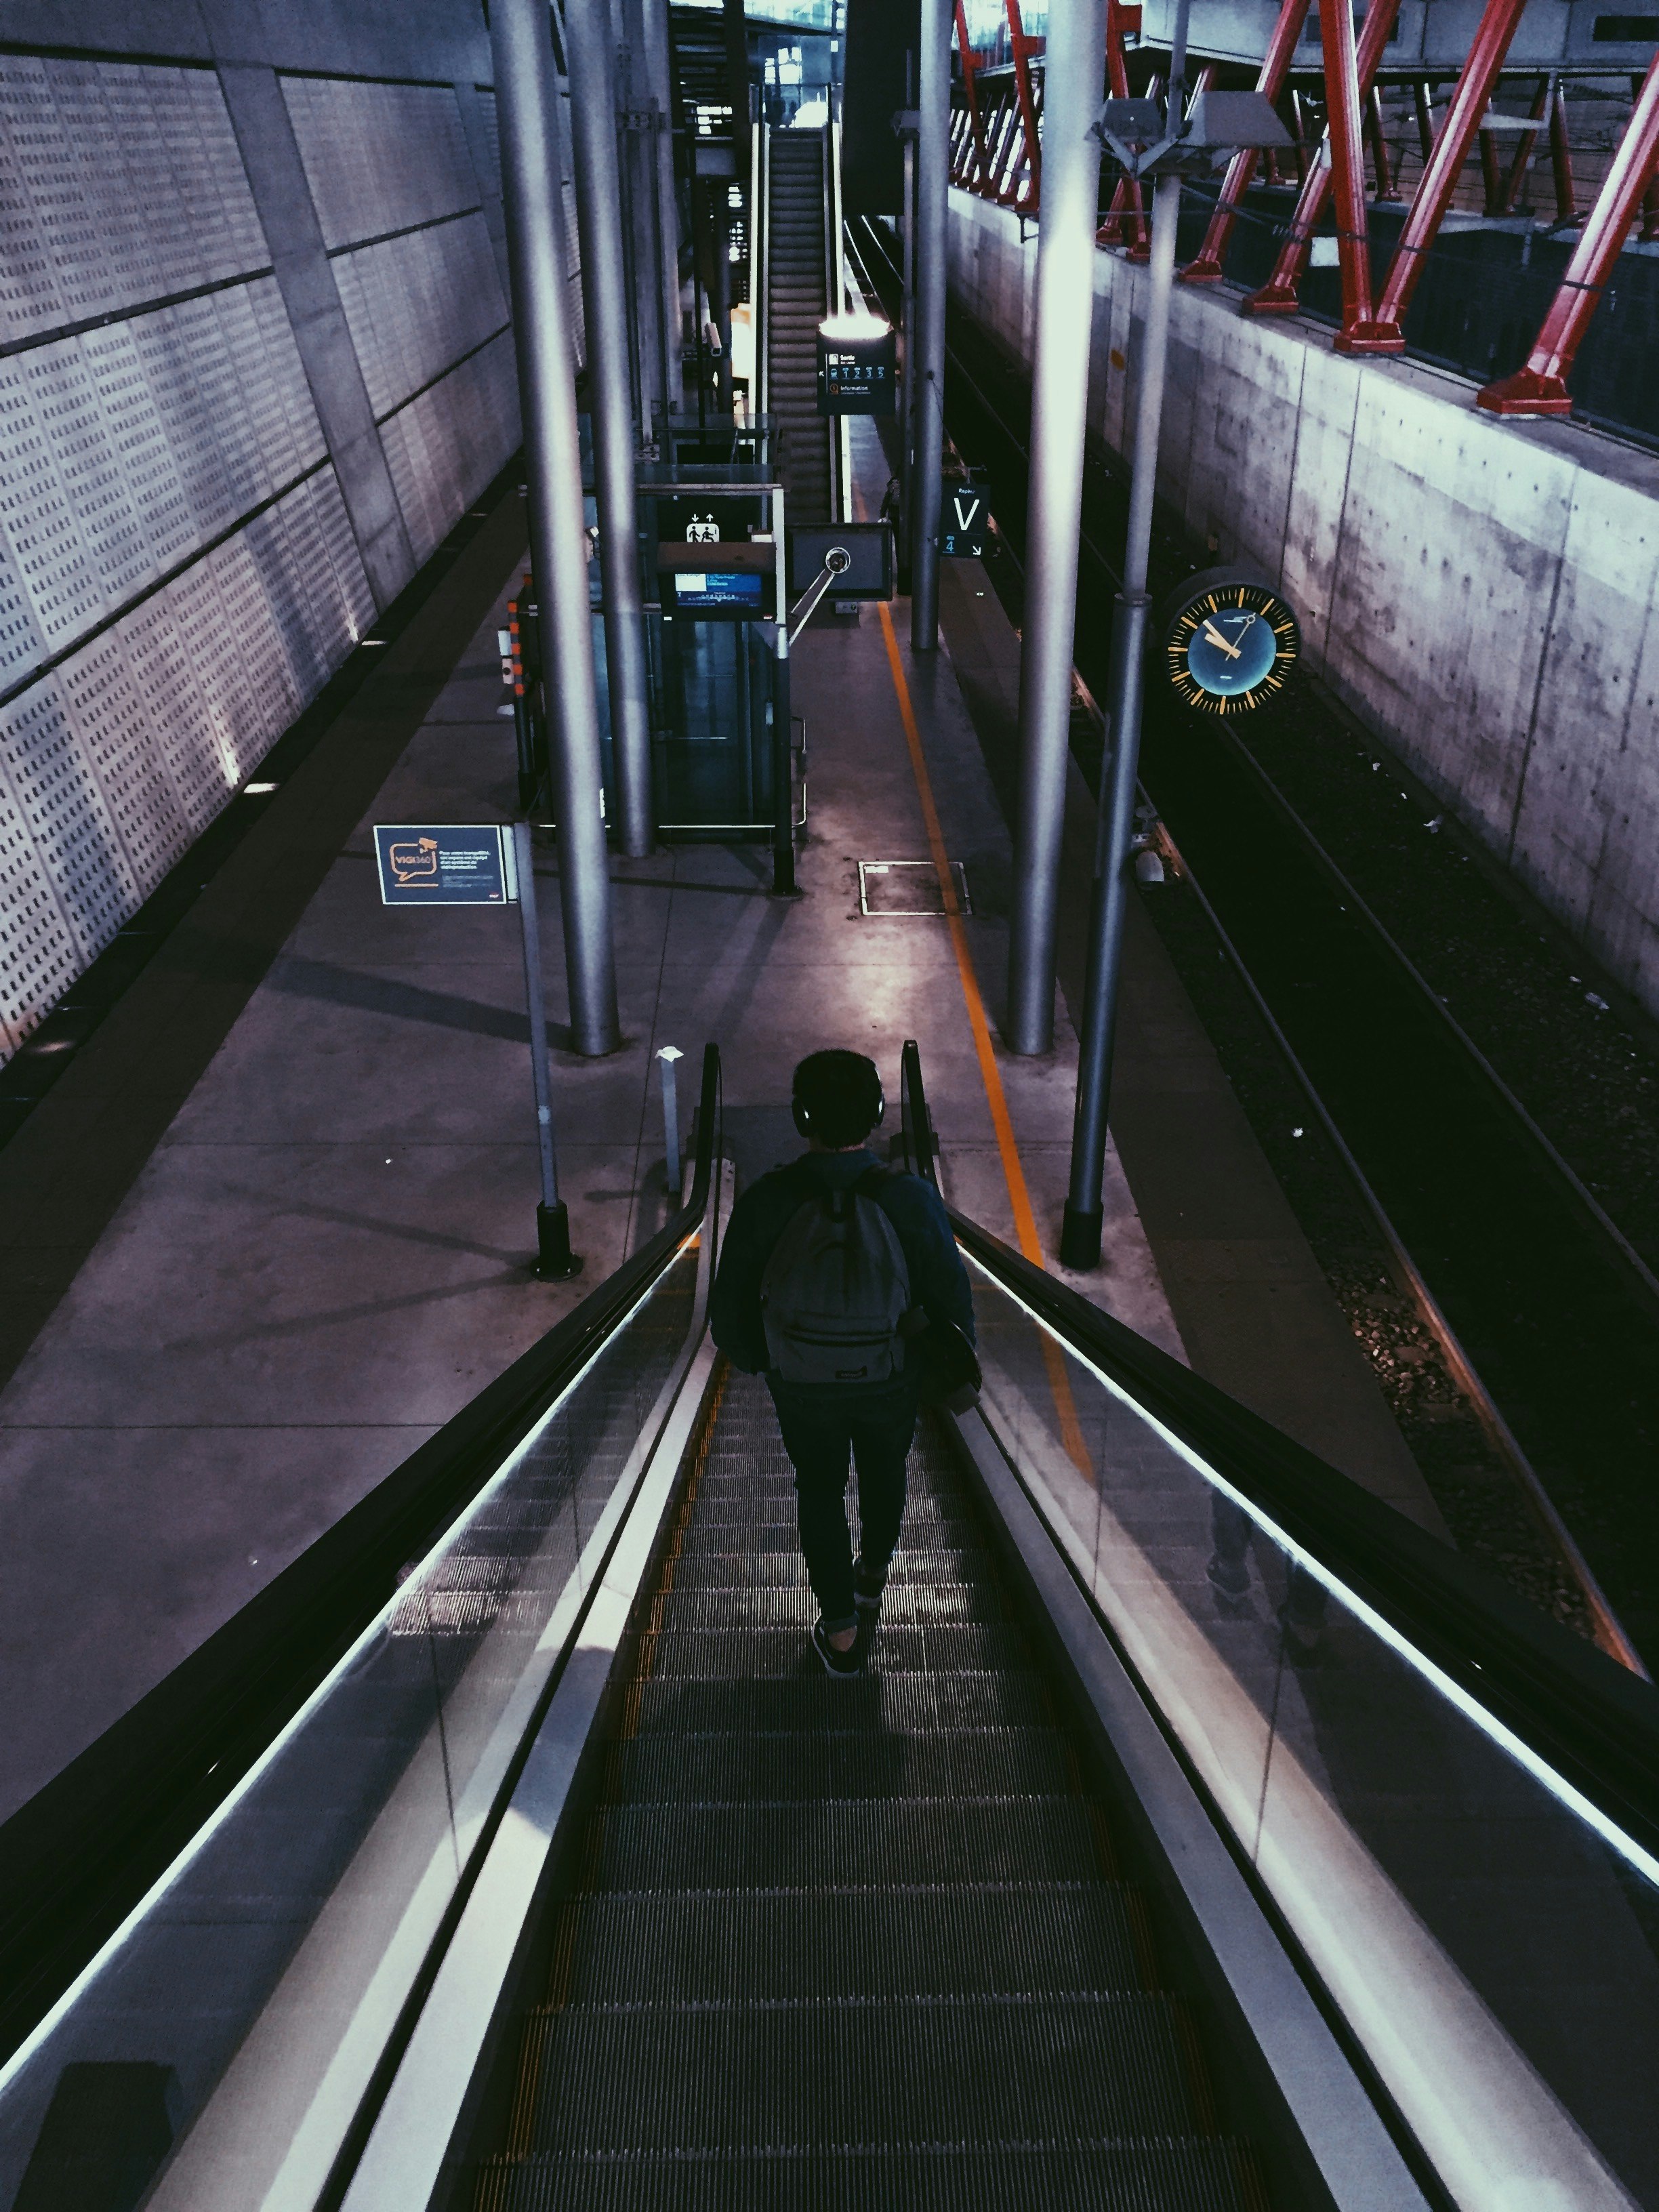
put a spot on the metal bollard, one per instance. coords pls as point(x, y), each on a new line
point(671, 1121)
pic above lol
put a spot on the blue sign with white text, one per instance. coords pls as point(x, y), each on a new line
point(444, 864)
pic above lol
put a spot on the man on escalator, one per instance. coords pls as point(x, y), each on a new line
point(840, 1282)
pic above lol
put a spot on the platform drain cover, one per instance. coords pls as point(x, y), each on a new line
point(908, 887)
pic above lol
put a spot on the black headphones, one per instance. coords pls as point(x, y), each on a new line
point(802, 1115)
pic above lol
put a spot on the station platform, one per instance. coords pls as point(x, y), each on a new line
point(310, 1241)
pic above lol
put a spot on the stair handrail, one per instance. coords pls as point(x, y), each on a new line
point(1572, 1711)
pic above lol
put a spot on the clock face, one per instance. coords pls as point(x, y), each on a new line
point(1229, 646)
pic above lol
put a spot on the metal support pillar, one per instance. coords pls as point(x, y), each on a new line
point(1299, 136)
point(636, 145)
point(927, 384)
point(1079, 1242)
point(1541, 388)
point(908, 360)
point(1422, 105)
point(1060, 394)
point(1651, 214)
point(1566, 192)
point(554, 1261)
point(1435, 187)
point(1491, 175)
point(604, 295)
point(1270, 82)
point(1126, 219)
point(660, 76)
point(526, 89)
point(721, 224)
point(1359, 332)
point(1142, 247)
point(1278, 296)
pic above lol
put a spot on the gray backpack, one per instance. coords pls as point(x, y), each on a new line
point(835, 1289)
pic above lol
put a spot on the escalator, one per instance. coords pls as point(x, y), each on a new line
point(798, 282)
point(1201, 1835)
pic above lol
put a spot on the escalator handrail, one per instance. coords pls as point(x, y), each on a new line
point(81, 1854)
point(1591, 1720)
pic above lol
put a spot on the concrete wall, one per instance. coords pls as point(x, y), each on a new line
point(1484, 594)
point(255, 359)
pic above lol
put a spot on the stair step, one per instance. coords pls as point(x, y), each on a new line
point(997, 1939)
point(716, 2078)
point(885, 1702)
point(690, 1611)
point(783, 1568)
point(739, 1768)
point(851, 1843)
point(719, 1653)
point(1175, 2174)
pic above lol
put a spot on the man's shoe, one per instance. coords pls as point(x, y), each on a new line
point(850, 1661)
point(868, 1583)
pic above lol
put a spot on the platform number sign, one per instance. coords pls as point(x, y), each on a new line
point(964, 520)
point(1228, 644)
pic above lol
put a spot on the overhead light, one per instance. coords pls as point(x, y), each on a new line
point(257, 790)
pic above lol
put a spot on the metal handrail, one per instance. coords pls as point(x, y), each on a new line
point(1588, 1719)
point(77, 1859)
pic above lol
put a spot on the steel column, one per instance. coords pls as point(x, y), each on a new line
point(1278, 296)
point(525, 90)
point(1059, 395)
point(1275, 68)
point(1566, 192)
point(1435, 187)
point(659, 65)
point(1126, 219)
point(1541, 388)
point(1423, 105)
point(928, 388)
point(1079, 1242)
point(604, 295)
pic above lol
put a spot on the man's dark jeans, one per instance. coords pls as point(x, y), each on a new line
point(822, 1428)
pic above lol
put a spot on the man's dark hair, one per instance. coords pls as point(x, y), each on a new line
point(836, 1098)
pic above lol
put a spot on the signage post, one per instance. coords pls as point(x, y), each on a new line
point(486, 864)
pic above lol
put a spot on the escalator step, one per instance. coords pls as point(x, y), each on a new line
point(1172, 2175)
point(783, 1568)
point(912, 1704)
point(855, 1841)
point(692, 1611)
point(716, 2078)
point(721, 1653)
point(738, 1768)
point(1006, 1938)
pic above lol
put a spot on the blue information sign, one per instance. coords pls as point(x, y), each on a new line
point(444, 864)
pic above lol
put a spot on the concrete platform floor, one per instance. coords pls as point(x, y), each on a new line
point(327, 1252)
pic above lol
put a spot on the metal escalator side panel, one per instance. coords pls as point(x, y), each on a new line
point(271, 1964)
point(1357, 1789)
point(427, 2105)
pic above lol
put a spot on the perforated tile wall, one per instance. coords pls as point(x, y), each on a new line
point(379, 157)
point(177, 571)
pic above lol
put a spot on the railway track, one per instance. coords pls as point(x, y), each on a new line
point(1509, 1293)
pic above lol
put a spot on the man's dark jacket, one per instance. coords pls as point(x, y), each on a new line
point(938, 1281)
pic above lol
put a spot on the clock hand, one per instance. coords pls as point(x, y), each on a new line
point(1216, 638)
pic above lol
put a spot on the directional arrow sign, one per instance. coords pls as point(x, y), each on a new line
point(964, 520)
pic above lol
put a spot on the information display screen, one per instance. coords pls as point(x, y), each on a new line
point(735, 595)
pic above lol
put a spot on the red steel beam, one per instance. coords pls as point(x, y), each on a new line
point(1126, 216)
point(1275, 68)
point(1541, 388)
point(1358, 332)
point(1435, 187)
point(969, 70)
point(1028, 201)
point(1278, 296)
point(1650, 213)
point(1524, 151)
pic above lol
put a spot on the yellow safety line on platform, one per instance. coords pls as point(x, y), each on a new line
point(1024, 1218)
point(1060, 1381)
